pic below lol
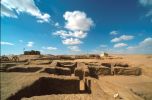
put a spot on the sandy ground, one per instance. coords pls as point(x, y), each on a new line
point(104, 88)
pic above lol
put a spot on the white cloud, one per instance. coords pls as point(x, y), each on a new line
point(6, 43)
point(77, 21)
point(10, 7)
point(77, 26)
point(30, 44)
point(113, 32)
point(65, 34)
point(56, 24)
point(123, 37)
point(74, 48)
point(119, 45)
point(7, 12)
point(147, 41)
point(78, 34)
point(50, 48)
point(71, 41)
point(144, 45)
point(62, 33)
point(43, 18)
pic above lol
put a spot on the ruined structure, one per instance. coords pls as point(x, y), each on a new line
point(32, 52)
point(64, 77)
point(104, 55)
point(9, 59)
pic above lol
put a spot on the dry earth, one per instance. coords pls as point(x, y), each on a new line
point(104, 88)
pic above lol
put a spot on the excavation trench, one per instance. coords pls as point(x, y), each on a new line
point(48, 86)
point(23, 69)
point(69, 65)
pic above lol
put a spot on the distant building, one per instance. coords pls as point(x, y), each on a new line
point(104, 55)
point(32, 52)
point(94, 56)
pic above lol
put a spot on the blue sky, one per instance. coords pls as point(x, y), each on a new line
point(76, 26)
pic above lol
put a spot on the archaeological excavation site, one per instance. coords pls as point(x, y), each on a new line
point(76, 50)
point(40, 77)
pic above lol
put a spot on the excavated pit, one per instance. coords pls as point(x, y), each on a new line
point(57, 71)
point(23, 69)
point(96, 70)
point(52, 85)
point(70, 65)
point(5, 66)
point(115, 64)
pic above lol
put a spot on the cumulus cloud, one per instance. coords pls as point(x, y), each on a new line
point(78, 34)
point(77, 21)
point(119, 45)
point(123, 37)
point(62, 33)
point(50, 48)
point(74, 48)
point(76, 27)
point(113, 32)
point(12, 8)
point(71, 41)
point(30, 44)
point(6, 43)
point(144, 45)
point(65, 34)
point(147, 42)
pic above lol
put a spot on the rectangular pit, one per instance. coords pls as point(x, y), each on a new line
point(48, 86)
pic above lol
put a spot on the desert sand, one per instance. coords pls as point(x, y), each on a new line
point(105, 87)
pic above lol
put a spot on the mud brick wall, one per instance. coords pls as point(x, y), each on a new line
point(69, 65)
point(127, 71)
point(62, 71)
point(23, 69)
point(50, 70)
point(84, 67)
point(47, 86)
point(104, 70)
point(79, 72)
point(95, 70)
point(60, 85)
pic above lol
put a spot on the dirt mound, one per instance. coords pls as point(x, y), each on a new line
point(40, 62)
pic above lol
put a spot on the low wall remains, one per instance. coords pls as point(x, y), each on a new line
point(47, 86)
